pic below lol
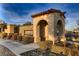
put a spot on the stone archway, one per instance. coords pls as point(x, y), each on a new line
point(59, 27)
point(48, 24)
point(59, 30)
point(41, 28)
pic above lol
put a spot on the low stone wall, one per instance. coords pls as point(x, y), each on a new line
point(65, 50)
point(17, 37)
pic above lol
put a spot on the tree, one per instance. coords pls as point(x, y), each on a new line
point(77, 22)
point(27, 23)
point(5, 25)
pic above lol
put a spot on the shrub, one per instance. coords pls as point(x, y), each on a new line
point(14, 36)
point(0, 35)
point(42, 45)
point(4, 35)
point(9, 35)
point(48, 44)
point(75, 46)
point(19, 37)
point(27, 39)
point(69, 38)
point(45, 45)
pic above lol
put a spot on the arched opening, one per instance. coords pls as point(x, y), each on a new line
point(59, 30)
point(59, 27)
point(42, 26)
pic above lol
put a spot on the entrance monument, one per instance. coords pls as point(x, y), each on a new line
point(48, 25)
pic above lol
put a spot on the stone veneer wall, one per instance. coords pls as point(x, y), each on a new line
point(52, 20)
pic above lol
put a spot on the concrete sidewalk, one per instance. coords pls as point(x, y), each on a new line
point(18, 48)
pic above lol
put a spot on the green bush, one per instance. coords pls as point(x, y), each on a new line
point(69, 38)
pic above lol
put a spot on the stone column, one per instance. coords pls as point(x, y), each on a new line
point(2, 29)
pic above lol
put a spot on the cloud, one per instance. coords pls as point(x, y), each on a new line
point(11, 17)
point(1, 10)
point(74, 15)
point(20, 13)
point(71, 23)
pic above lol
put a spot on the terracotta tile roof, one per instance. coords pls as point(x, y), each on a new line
point(48, 11)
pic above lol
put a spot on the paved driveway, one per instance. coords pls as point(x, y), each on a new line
point(18, 48)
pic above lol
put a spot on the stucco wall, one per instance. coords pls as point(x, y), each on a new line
point(58, 17)
point(24, 30)
point(51, 19)
point(35, 22)
point(10, 28)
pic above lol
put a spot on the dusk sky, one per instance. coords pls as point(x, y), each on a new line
point(21, 13)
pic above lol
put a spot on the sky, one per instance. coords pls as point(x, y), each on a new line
point(19, 13)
